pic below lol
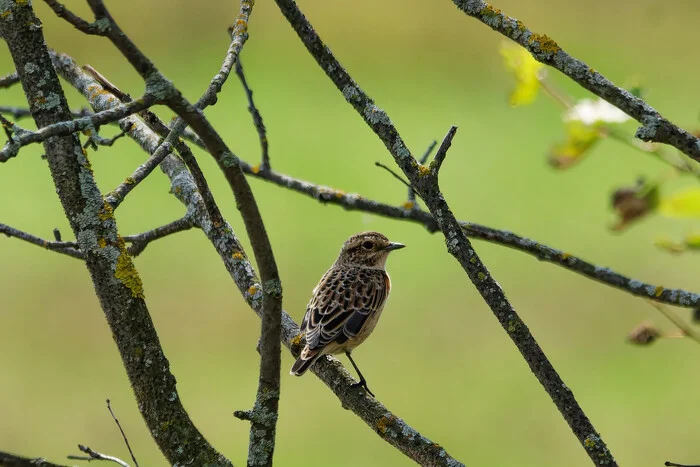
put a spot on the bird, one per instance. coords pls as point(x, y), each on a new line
point(347, 302)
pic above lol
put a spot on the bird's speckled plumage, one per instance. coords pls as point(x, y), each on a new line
point(347, 302)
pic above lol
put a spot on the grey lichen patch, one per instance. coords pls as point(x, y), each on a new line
point(350, 93)
point(31, 68)
point(634, 284)
point(103, 25)
point(228, 159)
point(273, 288)
point(111, 253)
point(159, 86)
point(374, 115)
point(400, 149)
point(260, 450)
point(87, 241)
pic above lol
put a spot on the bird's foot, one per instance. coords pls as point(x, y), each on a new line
point(363, 384)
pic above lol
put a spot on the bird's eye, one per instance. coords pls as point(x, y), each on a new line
point(367, 245)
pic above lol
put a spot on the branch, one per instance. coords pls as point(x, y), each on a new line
point(426, 184)
point(66, 248)
point(23, 112)
point(126, 440)
point(8, 80)
point(655, 127)
point(257, 119)
point(386, 424)
point(140, 242)
point(94, 455)
point(115, 279)
point(24, 137)
point(11, 460)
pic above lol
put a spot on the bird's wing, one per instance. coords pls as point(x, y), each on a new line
point(341, 304)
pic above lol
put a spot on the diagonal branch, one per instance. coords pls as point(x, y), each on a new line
point(257, 119)
point(655, 127)
point(115, 279)
point(425, 181)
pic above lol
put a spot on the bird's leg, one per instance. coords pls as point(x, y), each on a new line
point(363, 382)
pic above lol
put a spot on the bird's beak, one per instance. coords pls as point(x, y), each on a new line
point(394, 246)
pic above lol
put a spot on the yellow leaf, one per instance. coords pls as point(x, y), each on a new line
point(579, 139)
point(692, 240)
point(683, 203)
point(526, 70)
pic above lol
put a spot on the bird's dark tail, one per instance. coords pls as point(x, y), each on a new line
point(304, 362)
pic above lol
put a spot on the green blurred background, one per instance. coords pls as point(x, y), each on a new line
point(438, 359)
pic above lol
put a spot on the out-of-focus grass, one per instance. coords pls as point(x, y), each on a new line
point(438, 358)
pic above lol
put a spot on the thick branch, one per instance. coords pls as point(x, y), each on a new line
point(116, 281)
point(655, 127)
point(425, 182)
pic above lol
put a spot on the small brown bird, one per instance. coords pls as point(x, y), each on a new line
point(347, 302)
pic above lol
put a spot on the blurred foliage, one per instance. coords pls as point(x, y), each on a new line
point(438, 357)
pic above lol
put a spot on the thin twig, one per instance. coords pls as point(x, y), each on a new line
point(673, 464)
point(116, 196)
point(8, 80)
point(79, 23)
point(396, 176)
point(140, 242)
point(95, 140)
point(126, 440)
point(257, 118)
point(94, 455)
point(66, 248)
point(684, 328)
point(442, 152)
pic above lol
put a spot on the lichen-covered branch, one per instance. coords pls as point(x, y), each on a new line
point(23, 137)
point(116, 281)
point(425, 180)
point(655, 127)
point(12, 460)
point(386, 424)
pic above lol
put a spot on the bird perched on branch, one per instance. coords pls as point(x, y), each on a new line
point(347, 302)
